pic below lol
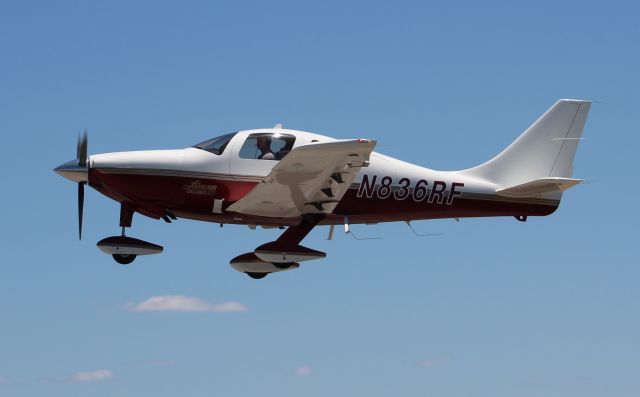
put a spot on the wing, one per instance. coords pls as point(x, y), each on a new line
point(311, 179)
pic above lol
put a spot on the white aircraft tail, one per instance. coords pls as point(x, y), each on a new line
point(542, 156)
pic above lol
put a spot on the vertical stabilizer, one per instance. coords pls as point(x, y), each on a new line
point(546, 149)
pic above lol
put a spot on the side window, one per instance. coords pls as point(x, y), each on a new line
point(267, 146)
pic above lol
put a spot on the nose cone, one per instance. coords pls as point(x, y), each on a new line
point(73, 171)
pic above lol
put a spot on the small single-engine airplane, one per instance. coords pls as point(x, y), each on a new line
point(296, 180)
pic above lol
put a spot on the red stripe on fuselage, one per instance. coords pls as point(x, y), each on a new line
point(193, 197)
point(174, 193)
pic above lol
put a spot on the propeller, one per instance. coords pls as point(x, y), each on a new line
point(81, 151)
point(77, 171)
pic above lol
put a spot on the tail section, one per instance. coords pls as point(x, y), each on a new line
point(544, 151)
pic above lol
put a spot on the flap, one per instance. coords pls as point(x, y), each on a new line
point(311, 179)
point(538, 187)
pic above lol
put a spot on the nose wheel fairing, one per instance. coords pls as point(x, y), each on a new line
point(125, 249)
point(123, 245)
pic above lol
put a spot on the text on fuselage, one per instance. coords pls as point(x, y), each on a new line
point(438, 192)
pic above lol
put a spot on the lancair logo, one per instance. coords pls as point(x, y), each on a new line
point(198, 188)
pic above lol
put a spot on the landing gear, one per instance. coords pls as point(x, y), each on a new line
point(283, 266)
point(124, 259)
point(257, 276)
point(123, 249)
point(280, 255)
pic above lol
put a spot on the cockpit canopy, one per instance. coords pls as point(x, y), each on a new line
point(256, 146)
point(267, 146)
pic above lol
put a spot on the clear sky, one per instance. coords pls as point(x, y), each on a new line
point(493, 307)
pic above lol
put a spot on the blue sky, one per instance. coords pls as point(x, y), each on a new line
point(492, 307)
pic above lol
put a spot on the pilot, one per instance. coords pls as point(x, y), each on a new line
point(264, 144)
point(285, 149)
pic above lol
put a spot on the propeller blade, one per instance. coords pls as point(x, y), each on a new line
point(80, 208)
point(81, 149)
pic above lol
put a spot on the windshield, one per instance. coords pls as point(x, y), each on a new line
point(216, 145)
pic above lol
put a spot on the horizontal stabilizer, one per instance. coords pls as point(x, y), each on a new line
point(538, 187)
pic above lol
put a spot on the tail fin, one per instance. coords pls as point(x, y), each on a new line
point(546, 149)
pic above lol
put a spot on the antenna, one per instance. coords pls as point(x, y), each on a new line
point(348, 230)
point(421, 235)
point(330, 236)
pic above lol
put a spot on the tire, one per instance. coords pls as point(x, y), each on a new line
point(257, 276)
point(282, 266)
point(124, 259)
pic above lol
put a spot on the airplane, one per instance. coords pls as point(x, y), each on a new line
point(296, 180)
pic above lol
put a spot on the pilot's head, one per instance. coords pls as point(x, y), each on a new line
point(264, 143)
